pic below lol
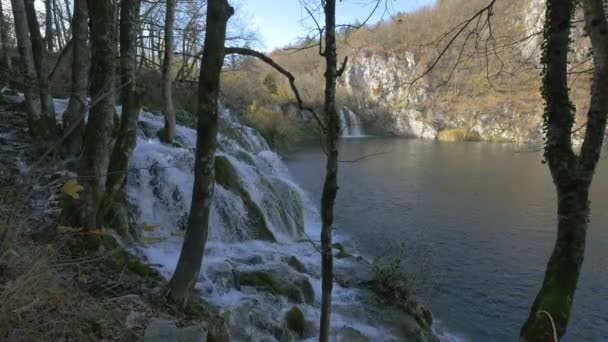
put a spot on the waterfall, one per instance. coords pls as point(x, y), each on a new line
point(350, 124)
point(260, 222)
point(254, 195)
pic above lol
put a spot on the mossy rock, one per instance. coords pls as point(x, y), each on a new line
point(226, 176)
point(295, 321)
point(295, 264)
point(342, 253)
point(298, 290)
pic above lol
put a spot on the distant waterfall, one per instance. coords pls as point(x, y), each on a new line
point(350, 124)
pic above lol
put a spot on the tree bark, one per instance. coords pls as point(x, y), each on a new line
point(127, 136)
point(73, 118)
point(48, 108)
point(572, 174)
point(95, 156)
point(330, 188)
point(168, 133)
point(6, 61)
point(40, 127)
point(191, 257)
point(48, 34)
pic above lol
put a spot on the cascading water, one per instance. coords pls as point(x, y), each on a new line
point(350, 124)
point(260, 223)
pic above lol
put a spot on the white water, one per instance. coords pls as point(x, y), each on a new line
point(159, 185)
point(350, 124)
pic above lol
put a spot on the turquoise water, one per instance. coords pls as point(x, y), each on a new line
point(475, 222)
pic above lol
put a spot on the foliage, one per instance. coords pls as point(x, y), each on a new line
point(390, 279)
point(277, 129)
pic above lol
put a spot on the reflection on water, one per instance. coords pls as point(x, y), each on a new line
point(483, 216)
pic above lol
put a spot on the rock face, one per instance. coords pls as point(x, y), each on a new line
point(377, 82)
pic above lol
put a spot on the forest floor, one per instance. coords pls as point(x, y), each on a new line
point(63, 284)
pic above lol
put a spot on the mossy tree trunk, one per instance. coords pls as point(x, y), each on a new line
point(95, 155)
point(572, 174)
point(191, 257)
point(168, 132)
point(73, 118)
point(130, 98)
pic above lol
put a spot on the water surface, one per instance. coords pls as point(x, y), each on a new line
point(476, 223)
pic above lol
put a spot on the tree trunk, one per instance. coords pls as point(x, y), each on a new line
point(127, 137)
point(73, 118)
point(168, 133)
point(40, 127)
point(191, 257)
point(48, 108)
point(98, 134)
point(59, 33)
point(330, 188)
point(572, 175)
point(5, 62)
point(48, 34)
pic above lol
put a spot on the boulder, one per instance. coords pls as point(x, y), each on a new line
point(354, 272)
point(295, 264)
point(160, 330)
point(279, 280)
point(295, 321)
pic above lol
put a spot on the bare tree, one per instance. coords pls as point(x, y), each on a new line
point(39, 52)
point(48, 31)
point(572, 174)
point(191, 257)
point(73, 118)
point(98, 134)
point(130, 98)
point(41, 125)
point(168, 133)
point(5, 61)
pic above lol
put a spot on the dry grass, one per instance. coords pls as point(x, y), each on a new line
point(39, 300)
point(458, 134)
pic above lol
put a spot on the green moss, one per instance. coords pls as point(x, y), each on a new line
point(298, 291)
point(226, 176)
point(120, 259)
point(295, 321)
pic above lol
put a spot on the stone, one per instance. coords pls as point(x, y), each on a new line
point(135, 319)
point(160, 330)
point(295, 264)
point(295, 321)
point(348, 334)
point(422, 315)
point(279, 280)
point(354, 272)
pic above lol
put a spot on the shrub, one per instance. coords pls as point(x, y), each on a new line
point(390, 279)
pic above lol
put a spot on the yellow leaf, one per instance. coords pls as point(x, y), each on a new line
point(72, 188)
point(180, 233)
point(152, 239)
point(149, 227)
point(50, 247)
point(97, 232)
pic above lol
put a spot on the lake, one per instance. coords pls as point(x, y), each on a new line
point(474, 222)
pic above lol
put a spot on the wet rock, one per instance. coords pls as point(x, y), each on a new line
point(295, 264)
point(295, 321)
point(135, 319)
point(160, 330)
point(422, 315)
point(348, 334)
point(279, 281)
point(354, 272)
point(257, 320)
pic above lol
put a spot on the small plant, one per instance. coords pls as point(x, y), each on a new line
point(390, 279)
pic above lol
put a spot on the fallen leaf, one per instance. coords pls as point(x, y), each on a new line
point(72, 188)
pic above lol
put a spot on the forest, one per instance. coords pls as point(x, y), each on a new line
point(167, 176)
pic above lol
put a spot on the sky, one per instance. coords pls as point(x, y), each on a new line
point(280, 21)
